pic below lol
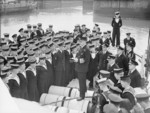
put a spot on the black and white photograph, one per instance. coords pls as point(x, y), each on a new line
point(74, 56)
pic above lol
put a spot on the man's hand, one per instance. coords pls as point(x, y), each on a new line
point(75, 59)
point(82, 60)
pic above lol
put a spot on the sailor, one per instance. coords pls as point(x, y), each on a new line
point(76, 36)
point(114, 104)
point(143, 100)
point(30, 54)
point(40, 31)
point(42, 75)
point(78, 29)
point(102, 99)
point(68, 55)
point(93, 65)
point(83, 29)
point(59, 65)
point(130, 53)
point(134, 74)
point(50, 68)
point(128, 40)
point(81, 66)
point(50, 30)
point(26, 34)
point(6, 38)
point(74, 51)
point(22, 76)
point(13, 50)
point(14, 81)
point(99, 35)
point(118, 73)
point(103, 57)
point(96, 27)
point(121, 60)
point(14, 37)
point(116, 24)
point(22, 42)
point(128, 94)
point(34, 32)
point(97, 45)
point(106, 39)
point(94, 33)
point(109, 37)
point(29, 28)
point(20, 36)
point(111, 66)
point(31, 74)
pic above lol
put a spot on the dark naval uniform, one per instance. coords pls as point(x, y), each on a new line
point(33, 92)
point(130, 55)
point(130, 102)
point(50, 70)
point(23, 86)
point(103, 60)
point(82, 69)
point(111, 70)
point(67, 67)
point(15, 89)
point(122, 62)
point(93, 68)
point(116, 31)
point(129, 41)
point(135, 79)
point(103, 100)
point(42, 79)
point(59, 68)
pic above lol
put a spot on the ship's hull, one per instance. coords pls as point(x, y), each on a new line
point(130, 8)
point(17, 7)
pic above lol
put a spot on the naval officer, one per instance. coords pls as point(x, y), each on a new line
point(82, 61)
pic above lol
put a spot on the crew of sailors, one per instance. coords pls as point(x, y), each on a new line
point(36, 59)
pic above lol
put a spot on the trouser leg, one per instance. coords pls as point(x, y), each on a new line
point(82, 84)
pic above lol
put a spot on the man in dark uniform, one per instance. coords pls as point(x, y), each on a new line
point(130, 40)
point(6, 38)
point(59, 65)
point(121, 60)
point(50, 30)
point(20, 36)
point(42, 75)
point(22, 77)
point(106, 40)
point(143, 100)
point(93, 65)
point(34, 32)
point(49, 64)
point(134, 74)
point(40, 31)
point(68, 55)
point(128, 94)
point(116, 24)
point(103, 57)
point(14, 37)
point(33, 92)
point(83, 29)
point(111, 66)
point(14, 81)
point(82, 62)
point(29, 29)
point(130, 53)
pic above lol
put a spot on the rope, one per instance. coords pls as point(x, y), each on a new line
point(65, 100)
